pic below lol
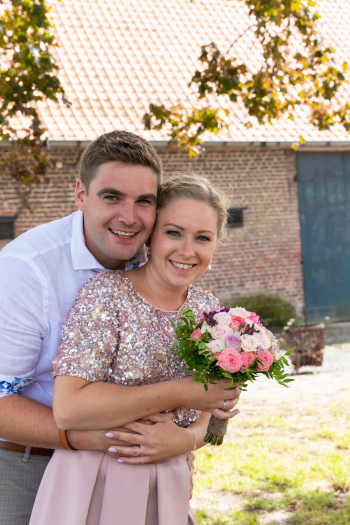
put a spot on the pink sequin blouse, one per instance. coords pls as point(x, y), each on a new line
point(112, 334)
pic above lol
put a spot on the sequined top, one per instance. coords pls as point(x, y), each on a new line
point(112, 334)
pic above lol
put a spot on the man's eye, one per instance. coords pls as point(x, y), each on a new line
point(112, 198)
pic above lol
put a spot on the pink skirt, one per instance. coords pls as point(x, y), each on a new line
point(92, 488)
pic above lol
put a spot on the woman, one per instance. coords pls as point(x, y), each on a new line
point(116, 364)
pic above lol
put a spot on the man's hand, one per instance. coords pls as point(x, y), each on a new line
point(105, 440)
point(157, 442)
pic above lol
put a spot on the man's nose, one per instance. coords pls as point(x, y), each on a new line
point(127, 213)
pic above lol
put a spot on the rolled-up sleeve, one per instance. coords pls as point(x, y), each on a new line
point(22, 323)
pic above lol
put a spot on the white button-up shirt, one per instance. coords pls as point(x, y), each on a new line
point(40, 274)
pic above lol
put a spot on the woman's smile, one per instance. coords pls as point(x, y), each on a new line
point(182, 266)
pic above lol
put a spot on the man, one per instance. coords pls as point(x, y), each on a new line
point(40, 275)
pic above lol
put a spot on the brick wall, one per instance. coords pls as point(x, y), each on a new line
point(264, 254)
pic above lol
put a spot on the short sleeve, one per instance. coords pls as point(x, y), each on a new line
point(90, 335)
point(23, 323)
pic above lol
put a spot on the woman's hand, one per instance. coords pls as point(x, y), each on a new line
point(212, 400)
point(157, 442)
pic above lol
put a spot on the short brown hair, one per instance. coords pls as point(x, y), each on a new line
point(118, 146)
point(189, 185)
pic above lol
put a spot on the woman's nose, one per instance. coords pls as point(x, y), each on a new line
point(186, 249)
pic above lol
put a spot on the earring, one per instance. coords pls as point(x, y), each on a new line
point(210, 267)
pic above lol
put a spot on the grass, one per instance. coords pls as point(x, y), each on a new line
point(297, 463)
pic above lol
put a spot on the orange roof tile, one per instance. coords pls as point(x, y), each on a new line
point(117, 56)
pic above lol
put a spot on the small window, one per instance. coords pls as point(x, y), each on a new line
point(7, 228)
point(235, 217)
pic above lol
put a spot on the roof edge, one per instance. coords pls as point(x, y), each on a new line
point(62, 142)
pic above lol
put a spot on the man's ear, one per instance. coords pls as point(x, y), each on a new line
point(80, 195)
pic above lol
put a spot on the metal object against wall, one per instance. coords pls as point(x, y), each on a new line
point(235, 217)
point(308, 343)
point(7, 231)
point(324, 202)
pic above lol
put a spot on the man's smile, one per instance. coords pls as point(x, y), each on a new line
point(123, 234)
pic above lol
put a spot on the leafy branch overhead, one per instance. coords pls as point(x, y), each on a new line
point(28, 74)
point(297, 68)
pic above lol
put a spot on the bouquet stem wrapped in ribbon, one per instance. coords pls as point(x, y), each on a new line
point(229, 344)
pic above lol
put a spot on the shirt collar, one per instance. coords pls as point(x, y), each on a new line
point(82, 258)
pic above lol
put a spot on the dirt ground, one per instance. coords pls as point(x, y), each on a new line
point(318, 395)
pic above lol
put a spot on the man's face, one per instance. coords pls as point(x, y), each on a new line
point(119, 211)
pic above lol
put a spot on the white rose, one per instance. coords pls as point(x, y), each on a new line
point(239, 312)
point(215, 346)
point(205, 328)
point(219, 330)
point(277, 355)
point(223, 318)
point(263, 338)
point(249, 343)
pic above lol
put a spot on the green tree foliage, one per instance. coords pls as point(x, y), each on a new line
point(28, 74)
point(298, 68)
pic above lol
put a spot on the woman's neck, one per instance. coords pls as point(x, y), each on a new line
point(155, 291)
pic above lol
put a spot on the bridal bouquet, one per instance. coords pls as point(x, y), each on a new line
point(229, 344)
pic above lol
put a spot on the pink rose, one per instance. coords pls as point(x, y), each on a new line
point(201, 319)
point(264, 361)
point(236, 321)
point(223, 318)
point(215, 346)
point(249, 343)
point(219, 330)
point(247, 359)
point(255, 318)
point(230, 360)
point(196, 334)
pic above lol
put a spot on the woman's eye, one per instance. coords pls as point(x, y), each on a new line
point(173, 233)
point(203, 238)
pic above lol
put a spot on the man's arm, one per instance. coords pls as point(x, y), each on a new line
point(23, 326)
point(30, 423)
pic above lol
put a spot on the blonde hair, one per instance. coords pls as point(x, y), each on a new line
point(189, 185)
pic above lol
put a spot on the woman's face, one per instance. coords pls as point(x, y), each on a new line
point(183, 241)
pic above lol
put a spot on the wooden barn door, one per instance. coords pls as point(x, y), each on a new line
point(324, 202)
